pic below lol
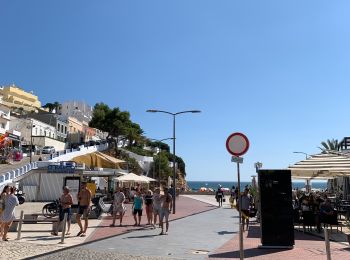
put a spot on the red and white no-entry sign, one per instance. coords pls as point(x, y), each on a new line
point(237, 144)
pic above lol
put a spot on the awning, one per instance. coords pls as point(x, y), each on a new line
point(99, 160)
point(322, 166)
point(132, 177)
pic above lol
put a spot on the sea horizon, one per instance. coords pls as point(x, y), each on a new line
point(196, 185)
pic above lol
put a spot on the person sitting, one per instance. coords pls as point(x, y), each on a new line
point(326, 213)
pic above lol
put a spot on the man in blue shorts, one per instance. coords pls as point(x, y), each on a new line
point(84, 202)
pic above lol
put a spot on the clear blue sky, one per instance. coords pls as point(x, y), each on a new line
point(277, 71)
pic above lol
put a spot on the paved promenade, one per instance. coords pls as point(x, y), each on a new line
point(199, 230)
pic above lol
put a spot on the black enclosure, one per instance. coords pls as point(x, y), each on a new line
point(277, 228)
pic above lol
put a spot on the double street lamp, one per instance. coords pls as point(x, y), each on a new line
point(174, 159)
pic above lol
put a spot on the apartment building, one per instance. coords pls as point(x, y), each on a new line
point(17, 99)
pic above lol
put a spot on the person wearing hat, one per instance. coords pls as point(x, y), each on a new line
point(66, 201)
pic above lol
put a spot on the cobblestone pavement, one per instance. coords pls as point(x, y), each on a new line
point(18, 250)
point(87, 254)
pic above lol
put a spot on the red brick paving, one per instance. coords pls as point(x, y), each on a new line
point(184, 207)
point(306, 247)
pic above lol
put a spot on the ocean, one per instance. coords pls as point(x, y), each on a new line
point(196, 185)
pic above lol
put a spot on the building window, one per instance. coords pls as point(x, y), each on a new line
point(61, 128)
point(65, 129)
point(58, 127)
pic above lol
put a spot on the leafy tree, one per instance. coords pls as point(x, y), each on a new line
point(330, 145)
point(50, 106)
point(156, 144)
point(161, 166)
point(117, 123)
point(57, 106)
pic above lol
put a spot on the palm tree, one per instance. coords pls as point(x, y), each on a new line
point(330, 145)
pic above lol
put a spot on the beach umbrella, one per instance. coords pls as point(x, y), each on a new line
point(148, 178)
point(322, 166)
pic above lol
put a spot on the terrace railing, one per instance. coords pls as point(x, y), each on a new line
point(9, 177)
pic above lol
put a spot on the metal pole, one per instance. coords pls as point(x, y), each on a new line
point(20, 225)
point(328, 247)
point(241, 252)
point(63, 228)
point(174, 167)
point(31, 140)
point(159, 169)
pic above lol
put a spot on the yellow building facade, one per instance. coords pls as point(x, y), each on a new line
point(15, 97)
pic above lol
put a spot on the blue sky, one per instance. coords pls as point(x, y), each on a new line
point(277, 71)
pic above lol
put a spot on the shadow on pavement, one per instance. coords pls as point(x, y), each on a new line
point(145, 236)
point(253, 232)
point(226, 232)
point(251, 252)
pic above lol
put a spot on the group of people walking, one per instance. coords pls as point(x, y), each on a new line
point(246, 201)
point(157, 207)
point(8, 202)
point(84, 205)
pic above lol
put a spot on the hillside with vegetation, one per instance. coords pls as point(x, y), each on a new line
point(123, 132)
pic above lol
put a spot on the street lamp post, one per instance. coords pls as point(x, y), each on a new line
point(174, 159)
point(161, 140)
point(258, 166)
point(306, 155)
point(31, 140)
point(308, 182)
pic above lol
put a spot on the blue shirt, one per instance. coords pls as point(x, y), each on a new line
point(138, 202)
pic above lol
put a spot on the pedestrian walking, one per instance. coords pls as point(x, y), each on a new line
point(84, 203)
point(149, 207)
point(66, 202)
point(118, 206)
point(156, 207)
point(219, 195)
point(3, 196)
point(246, 200)
point(137, 208)
point(166, 201)
point(8, 215)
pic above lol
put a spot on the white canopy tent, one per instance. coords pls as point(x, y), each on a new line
point(132, 177)
point(322, 166)
point(325, 166)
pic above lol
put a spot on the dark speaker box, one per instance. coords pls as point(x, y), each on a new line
point(276, 210)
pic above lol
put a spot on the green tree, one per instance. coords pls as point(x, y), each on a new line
point(50, 106)
point(161, 166)
point(330, 145)
point(117, 123)
point(156, 144)
point(57, 106)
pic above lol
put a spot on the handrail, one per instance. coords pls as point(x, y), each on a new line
point(10, 176)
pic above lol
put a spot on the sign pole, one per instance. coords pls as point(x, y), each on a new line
point(241, 249)
point(237, 144)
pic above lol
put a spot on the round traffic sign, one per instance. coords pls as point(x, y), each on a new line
point(237, 144)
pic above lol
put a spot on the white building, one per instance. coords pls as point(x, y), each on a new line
point(4, 119)
point(78, 109)
point(42, 134)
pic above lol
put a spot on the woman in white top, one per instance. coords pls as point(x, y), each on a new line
point(156, 206)
point(3, 195)
point(8, 214)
